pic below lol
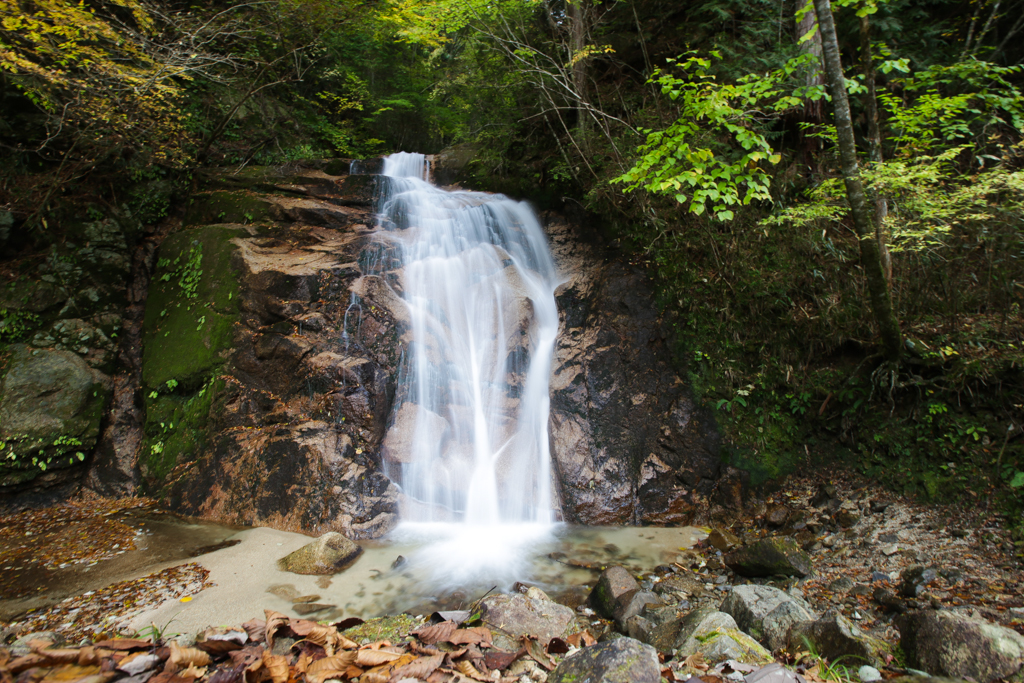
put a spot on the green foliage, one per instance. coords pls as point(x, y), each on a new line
point(710, 158)
point(16, 324)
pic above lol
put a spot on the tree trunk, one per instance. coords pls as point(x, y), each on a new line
point(578, 29)
point(874, 142)
point(878, 287)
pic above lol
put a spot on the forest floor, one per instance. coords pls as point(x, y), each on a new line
point(862, 540)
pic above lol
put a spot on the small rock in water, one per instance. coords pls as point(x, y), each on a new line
point(306, 598)
point(305, 608)
point(329, 554)
point(398, 563)
point(723, 540)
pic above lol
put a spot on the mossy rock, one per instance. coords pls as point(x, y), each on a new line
point(176, 429)
point(395, 628)
point(192, 308)
point(227, 207)
point(778, 556)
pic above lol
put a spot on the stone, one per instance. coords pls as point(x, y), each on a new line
point(869, 674)
point(945, 643)
point(843, 584)
point(722, 539)
point(637, 602)
point(304, 608)
point(776, 515)
point(913, 580)
point(825, 493)
point(766, 613)
point(20, 647)
point(657, 626)
point(329, 554)
point(770, 557)
point(411, 424)
point(623, 660)
point(517, 614)
point(51, 408)
point(847, 518)
point(773, 673)
point(716, 636)
point(614, 588)
point(834, 636)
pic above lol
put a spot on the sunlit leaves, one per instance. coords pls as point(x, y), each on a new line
point(715, 156)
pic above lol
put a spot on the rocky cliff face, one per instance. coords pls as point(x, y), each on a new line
point(269, 356)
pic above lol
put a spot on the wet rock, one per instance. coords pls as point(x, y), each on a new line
point(51, 406)
point(627, 446)
point(824, 494)
point(766, 613)
point(889, 601)
point(834, 636)
point(329, 554)
point(623, 660)
point(681, 584)
point(304, 608)
point(411, 423)
point(847, 518)
point(722, 539)
point(613, 591)
point(716, 636)
point(950, 644)
point(515, 615)
point(770, 557)
point(914, 580)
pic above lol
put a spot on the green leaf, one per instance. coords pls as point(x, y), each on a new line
point(1017, 481)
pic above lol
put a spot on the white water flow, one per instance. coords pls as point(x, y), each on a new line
point(469, 447)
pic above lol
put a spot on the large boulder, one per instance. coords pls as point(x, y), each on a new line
point(329, 554)
point(777, 556)
point(716, 636)
point(51, 406)
point(948, 644)
point(766, 613)
point(623, 660)
point(533, 613)
point(656, 625)
point(834, 636)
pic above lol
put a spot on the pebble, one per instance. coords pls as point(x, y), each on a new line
point(879, 576)
point(890, 549)
point(869, 674)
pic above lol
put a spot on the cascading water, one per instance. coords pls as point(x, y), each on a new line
point(469, 447)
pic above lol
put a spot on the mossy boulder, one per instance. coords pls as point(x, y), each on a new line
point(176, 428)
point(716, 636)
point(955, 645)
point(623, 660)
point(836, 637)
point(192, 308)
point(329, 554)
point(224, 206)
point(778, 556)
point(51, 405)
point(394, 628)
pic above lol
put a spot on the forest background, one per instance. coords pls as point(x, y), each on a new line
point(696, 138)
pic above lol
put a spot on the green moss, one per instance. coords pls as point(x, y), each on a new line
point(226, 207)
point(176, 430)
point(190, 318)
point(395, 629)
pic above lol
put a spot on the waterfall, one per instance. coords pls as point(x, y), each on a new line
point(469, 441)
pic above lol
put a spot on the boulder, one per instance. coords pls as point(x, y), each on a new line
point(51, 406)
point(623, 660)
point(834, 636)
point(613, 591)
point(777, 556)
point(329, 554)
point(717, 636)
point(949, 644)
point(532, 613)
point(766, 613)
point(636, 604)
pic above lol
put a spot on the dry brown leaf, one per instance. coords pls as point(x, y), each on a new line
point(303, 662)
point(329, 639)
point(330, 667)
point(479, 635)
point(813, 674)
point(581, 639)
point(87, 656)
point(696, 661)
point(429, 635)
point(275, 621)
point(534, 649)
point(467, 669)
point(419, 668)
point(256, 628)
point(369, 677)
point(61, 655)
point(246, 656)
point(378, 645)
point(39, 644)
point(137, 662)
point(193, 673)
point(277, 666)
point(369, 658)
point(187, 656)
point(500, 660)
point(24, 663)
point(123, 644)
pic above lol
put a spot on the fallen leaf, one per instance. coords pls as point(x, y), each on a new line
point(581, 639)
point(256, 629)
point(350, 622)
point(187, 656)
point(123, 644)
point(246, 656)
point(370, 658)
point(696, 661)
point(501, 660)
point(467, 669)
point(192, 672)
point(557, 646)
point(330, 667)
point(437, 633)
point(534, 649)
point(277, 666)
point(275, 621)
point(420, 668)
point(138, 662)
point(480, 635)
